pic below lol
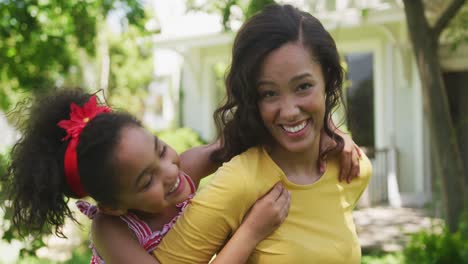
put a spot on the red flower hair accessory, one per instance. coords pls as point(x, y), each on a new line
point(79, 118)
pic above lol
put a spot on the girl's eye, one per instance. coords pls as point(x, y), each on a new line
point(148, 182)
point(163, 151)
point(304, 86)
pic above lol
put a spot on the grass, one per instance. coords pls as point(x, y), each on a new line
point(383, 258)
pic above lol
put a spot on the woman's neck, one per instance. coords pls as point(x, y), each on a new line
point(299, 167)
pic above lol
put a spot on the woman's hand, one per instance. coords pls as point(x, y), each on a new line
point(350, 155)
point(268, 213)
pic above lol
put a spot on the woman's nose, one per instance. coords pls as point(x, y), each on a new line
point(289, 109)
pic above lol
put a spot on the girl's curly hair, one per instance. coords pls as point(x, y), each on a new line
point(35, 179)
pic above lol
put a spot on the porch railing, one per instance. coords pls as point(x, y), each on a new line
point(383, 186)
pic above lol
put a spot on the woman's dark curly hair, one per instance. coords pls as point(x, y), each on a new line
point(35, 179)
point(238, 121)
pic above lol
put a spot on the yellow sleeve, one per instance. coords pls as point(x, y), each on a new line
point(213, 215)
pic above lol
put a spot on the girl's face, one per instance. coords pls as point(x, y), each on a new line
point(291, 90)
point(148, 172)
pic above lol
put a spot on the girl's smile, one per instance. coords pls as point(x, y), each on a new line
point(148, 172)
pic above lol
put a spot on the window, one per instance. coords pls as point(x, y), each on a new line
point(359, 98)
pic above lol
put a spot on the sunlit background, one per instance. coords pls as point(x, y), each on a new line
point(165, 61)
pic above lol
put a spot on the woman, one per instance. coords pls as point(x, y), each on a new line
point(284, 82)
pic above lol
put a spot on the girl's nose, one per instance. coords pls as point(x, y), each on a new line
point(170, 178)
point(176, 160)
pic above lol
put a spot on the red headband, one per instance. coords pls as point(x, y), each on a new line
point(79, 117)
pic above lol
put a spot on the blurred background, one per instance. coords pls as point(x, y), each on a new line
point(165, 62)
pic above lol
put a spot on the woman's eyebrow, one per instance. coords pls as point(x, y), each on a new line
point(299, 77)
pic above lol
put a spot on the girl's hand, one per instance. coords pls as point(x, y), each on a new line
point(350, 156)
point(264, 217)
point(267, 214)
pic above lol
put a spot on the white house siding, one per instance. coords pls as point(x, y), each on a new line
point(397, 101)
point(198, 100)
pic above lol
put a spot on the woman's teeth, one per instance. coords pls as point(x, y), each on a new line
point(294, 129)
point(175, 185)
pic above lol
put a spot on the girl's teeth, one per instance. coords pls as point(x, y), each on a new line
point(175, 185)
point(295, 129)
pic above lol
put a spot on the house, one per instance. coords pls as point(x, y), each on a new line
point(383, 92)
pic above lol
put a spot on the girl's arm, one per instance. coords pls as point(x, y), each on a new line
point(196, 162)
point(266, 215)
point(350, 155)
point(117, 244)
point(216, 212)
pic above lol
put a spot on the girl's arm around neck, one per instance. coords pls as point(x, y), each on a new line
point(116, 244)
point(265, 216)
point(196, 162)
point(212, 217)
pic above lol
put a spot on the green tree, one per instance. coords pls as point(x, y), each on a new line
point(446, 149)
point(42, 45)
point(39, 40)
point(248, 8)
point(131, 70)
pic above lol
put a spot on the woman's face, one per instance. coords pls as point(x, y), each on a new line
point(291, 91)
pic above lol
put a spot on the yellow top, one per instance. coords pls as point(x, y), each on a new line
point(318, 229)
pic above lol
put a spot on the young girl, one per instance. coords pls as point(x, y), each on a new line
point(73, 147)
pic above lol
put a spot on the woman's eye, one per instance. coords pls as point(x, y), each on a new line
point(267, 94)
point(304, 86)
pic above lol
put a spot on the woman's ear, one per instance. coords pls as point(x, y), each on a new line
point(110, 210)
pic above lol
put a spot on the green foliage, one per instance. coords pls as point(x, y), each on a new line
point(224, 7)
point(34, 260)
point(457, 31)
point(81, 255)
point(131, 71)
point(439, 247)
point(40, 38)
point(180, 139)
point(3, 165)
point(389, 258)
point(256, 6)
point(10, 233)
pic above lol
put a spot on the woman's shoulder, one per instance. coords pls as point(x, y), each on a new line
point(237, 175)
point(250, 155)
point(242, 162)
point(249, 173)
